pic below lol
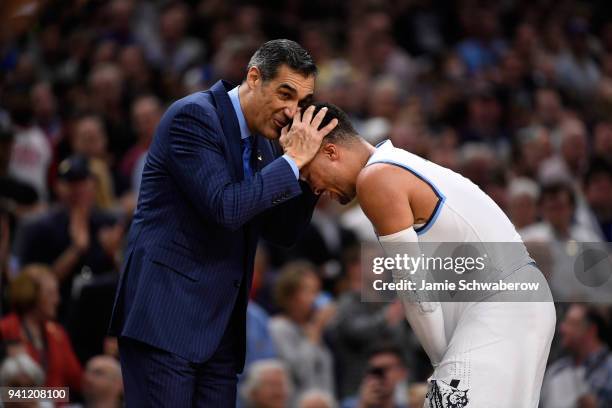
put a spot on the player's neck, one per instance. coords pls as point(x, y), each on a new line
point(364, 152)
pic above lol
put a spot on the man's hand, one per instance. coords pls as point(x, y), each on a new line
point(303, 140)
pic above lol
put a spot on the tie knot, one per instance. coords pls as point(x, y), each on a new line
point(247, 141)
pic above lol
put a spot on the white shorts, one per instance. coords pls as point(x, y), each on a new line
point(496, 355)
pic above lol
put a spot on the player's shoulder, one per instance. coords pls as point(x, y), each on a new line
point(376, 176)
point(377, 185)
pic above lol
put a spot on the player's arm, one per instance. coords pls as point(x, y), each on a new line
point(384, 195)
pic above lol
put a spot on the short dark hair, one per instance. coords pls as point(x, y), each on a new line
point(344, 130)
point(599, 165)
point(386, 347)
point(556, 187)
point(272, 54)
point(594, 317)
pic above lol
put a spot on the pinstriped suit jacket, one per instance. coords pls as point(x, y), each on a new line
point(190, 249)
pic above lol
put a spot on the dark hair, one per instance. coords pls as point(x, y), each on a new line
point(386, 347)
point(593, 316)
point(556, 187)
point(344, 130)
point(272, 54)
point(598, 166)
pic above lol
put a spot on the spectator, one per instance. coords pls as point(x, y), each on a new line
point(602, 145)
point(383, 383)
point(523, 197)
point(557, 205)
point(557, 228)
point(102, 384)
point(575, 68)
point(19, 194)
point(31, 153)
point(358, 325)
point(585, 374)
point(173, 51)
point(146, 112)
point(73, 236)
point(34, 299)
point(20, 370)
point(598, 192)
point(44, 105)
point(298, 331)
point(267, 385)
point(90, 141)
point(316, 399)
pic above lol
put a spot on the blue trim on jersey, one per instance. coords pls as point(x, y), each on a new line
point(441, 197)
point(381, 143)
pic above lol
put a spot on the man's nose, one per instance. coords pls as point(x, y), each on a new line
point(291, 110)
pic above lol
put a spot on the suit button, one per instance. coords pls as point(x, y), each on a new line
point(236, 283)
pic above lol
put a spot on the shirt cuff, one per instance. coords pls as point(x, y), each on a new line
point(294, 166)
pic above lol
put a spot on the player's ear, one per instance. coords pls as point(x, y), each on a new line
point(331, 151)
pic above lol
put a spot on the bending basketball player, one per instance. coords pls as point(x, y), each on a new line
point(484, 353)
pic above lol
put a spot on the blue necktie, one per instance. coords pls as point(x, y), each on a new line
point(247, 153)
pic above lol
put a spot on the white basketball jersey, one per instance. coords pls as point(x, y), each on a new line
point(464, 212)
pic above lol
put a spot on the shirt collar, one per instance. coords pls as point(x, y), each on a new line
point(235, 98)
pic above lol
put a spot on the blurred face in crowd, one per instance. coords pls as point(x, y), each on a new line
point(48, 297)
point(602, 144)
point(535, 150)
point(557, 209)
point(172, 23)
point(146, 114)
point(574, 328)
point(301, 306)
point(388, 371)
point(102, 379)
point(272, 390)
point(574, 145)
point(43, 102)
point(81, 193)
point(548, 106)
point(90, 138)
point(598, 193)
point(272, 103)
point(523, 210)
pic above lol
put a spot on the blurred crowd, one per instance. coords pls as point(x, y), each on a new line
point(515, 95)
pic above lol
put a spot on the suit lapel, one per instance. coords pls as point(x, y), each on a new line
point(229, 123)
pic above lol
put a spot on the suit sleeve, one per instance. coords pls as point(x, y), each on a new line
point(283, 225)
point(199, 166)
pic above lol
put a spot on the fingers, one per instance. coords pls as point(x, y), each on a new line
point(330, 126)
point(316, 122)
point(308, 114)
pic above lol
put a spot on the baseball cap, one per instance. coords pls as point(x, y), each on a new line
point(74, 168)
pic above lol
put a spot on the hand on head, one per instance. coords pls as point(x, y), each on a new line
point(303, 139)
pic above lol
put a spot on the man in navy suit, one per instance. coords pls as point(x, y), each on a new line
point(213, 183)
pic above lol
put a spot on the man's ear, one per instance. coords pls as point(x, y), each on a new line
point(331, 151)
point(253, 78)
